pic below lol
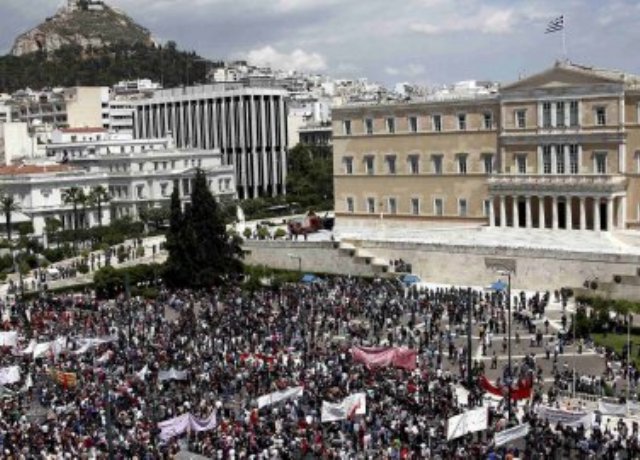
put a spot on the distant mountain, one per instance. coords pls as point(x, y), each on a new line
point(90, 24)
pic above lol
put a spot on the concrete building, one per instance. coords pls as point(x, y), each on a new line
point(137, 174)
point(248, 125)
point(557, 150)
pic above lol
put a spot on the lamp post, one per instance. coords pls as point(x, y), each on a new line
point(293, 256)
point(509, 379)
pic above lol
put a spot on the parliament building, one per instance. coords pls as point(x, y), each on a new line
point(557, 150)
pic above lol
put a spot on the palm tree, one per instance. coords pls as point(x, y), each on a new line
point(73, 196)
point(97, 197)
point(9, 206)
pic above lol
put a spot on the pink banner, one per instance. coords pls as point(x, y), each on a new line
point(372, 358)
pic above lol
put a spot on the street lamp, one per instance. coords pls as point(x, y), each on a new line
point(293, 256)
point(509, 379)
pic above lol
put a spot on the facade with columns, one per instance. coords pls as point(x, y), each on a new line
point(559, 150)
point(248, 125)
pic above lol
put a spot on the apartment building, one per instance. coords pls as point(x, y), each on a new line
point(557, 150)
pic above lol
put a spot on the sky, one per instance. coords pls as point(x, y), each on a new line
point(429, 42)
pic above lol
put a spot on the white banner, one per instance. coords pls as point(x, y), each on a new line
point(507, 436)
point(566, 417)
point(462, 394)
point(9, 339)
point(277, 396)
point(355, 404)
point(612, 409)
point(172, 374)
point(469, 422)
point(9, 375)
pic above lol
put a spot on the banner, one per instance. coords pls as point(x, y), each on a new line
point(468, 422)
point(403, 358)
point(172, 374)
point(566, 417)
point(521, 391)
point(619, 410)
point(186, 422)
point(9, 375)
point(277, 396)
point(510, 435)
point(9, 339)
point(66, 379)
point(355, 404)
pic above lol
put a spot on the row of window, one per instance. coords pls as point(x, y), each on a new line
point(413, 164)
point(415, 206)
point(558, 114)
point(413, 125)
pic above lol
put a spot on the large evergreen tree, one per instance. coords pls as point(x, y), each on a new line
point(201, 253)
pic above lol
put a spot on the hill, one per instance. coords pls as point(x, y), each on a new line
point(88, 24)
point(72, 65)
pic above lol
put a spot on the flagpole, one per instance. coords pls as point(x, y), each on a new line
point(564, 38)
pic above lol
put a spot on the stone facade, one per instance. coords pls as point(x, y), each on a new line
point(558, 150)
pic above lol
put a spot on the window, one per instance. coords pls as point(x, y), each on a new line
point(488, 120)
point(462, 122)
point(521, 164)
point(560, 159)
point(413, 124)
point(415, 206)
point(488, 163)
point(437, 123)
point(414, 164)
point(486, 208)
point(391, 125)
point(601, 116)
point(140, 191)
point(462, 207)
point(560, 122)
point(368, 126)
point(348, 165)
point(350, 205)
point(462, 164)
point(391, 164)
point(573, 113)
point(601, 163)
point(368, 164)
point(546, 115)
point(437, 164)
point(392, 206)
point(346, 127)
point(163, 188)
point(521, 119)
point(371, 205)
point(438, 207)
point(573, 159)
point(546, 159)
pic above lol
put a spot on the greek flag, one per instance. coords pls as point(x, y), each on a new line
point(555, 25)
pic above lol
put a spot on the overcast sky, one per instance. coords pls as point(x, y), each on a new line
point(422, 41)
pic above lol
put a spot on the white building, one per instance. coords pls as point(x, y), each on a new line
point(137, 174)
point(248, 125)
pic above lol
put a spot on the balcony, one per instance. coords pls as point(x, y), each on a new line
point(560, 183)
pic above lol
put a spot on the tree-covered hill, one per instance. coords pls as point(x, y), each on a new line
point(72, 65)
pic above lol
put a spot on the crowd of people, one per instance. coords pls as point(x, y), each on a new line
point(101, 385)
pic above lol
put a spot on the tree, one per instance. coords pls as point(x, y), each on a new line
point(73, 196)
point(97, 197)
point(201, 253)
point(9, 206)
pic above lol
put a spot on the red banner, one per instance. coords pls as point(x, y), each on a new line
point(521, 391)
point(403, 358)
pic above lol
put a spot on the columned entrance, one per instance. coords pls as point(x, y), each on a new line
point(558, 212)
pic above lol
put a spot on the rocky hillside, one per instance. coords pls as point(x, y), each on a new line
point(87, 23)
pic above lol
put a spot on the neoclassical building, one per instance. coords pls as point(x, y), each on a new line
point(557, 150)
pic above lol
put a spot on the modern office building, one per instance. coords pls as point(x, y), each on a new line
point(248, 125)
point(557, 150)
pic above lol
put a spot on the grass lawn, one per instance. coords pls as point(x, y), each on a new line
point(617, 342)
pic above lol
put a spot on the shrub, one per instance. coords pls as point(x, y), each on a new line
point(279, 233)
point(247, 233)
point(83, 268)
